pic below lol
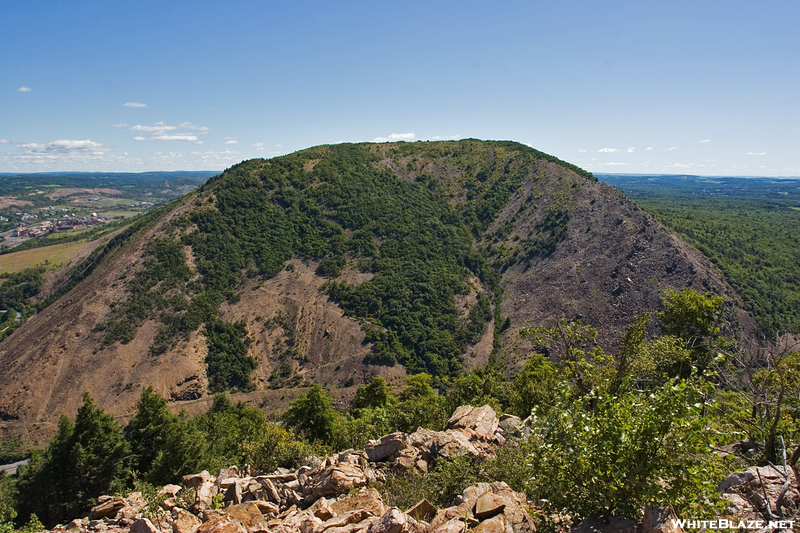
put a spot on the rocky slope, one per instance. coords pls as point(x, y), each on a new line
point(338, 261)
point(338, 494)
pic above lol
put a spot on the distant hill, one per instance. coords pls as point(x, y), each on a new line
point(337, 263)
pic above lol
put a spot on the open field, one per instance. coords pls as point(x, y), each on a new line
point(58, 254)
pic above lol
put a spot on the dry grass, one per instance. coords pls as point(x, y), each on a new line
point(58, 254)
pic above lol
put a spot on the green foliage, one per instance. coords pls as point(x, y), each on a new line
point(376, 394)
point(439, 486)
point(484, 385)
point(312, 416)
point(604, 454)
point(16, 291)
point(420, 406)
point(11, 450)
point(85, 459)
point(572, 347)
point(696, 318)
point(229, 366)
point(533, 387)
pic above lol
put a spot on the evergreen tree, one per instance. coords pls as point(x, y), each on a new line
point(148, 430)
point(312, 415)
point(84, 460)
point(375, 395)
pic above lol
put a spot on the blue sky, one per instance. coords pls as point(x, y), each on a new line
point(697, 87)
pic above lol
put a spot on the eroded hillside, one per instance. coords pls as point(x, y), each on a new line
point(337, 263)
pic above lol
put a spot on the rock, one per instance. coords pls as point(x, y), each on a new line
point(221, 524)
point(449, 444)
point(269, 489)
point(194, 481)
point(511, 425)
point(386, 447)
point(107, 507)
point(369, 501)
point(185, 522)
point(143, 525)
point(489, 505)
point(267, 508)
point(395, 521)
point(423, 511)
point(333, 480)
point(249, 515)
point(496, 524)
point(660, 520)
point(322, 509)
point(756, 481)
point(482, 421)
point(172, 490)
point(452, 526)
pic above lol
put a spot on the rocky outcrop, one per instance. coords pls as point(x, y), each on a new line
point(338, 494)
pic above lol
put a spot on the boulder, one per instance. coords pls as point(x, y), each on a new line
point(660, 520)
point(221, 524)
point(185, 522)
point(481, 422)
point(194, 481)
point(369, 501)
point(143, 525)
point(511, 425)
point(333, 480)
point(249, 515)
point(496, 524)
point(452, 526)
point(107, 507)
point(757, 481)
point(395, 521)
point(270, 492)
point(423, 511)
point(386, 447)
point(489, 505)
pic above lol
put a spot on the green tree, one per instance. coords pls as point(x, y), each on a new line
point(534, 387)
point(697, 319)
point(376, 394)
point(312, 415)
point(84, 460)
point(147, 431)
point(420, 405)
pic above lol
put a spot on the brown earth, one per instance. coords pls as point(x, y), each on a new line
point(613, 263)
point(69, 191)
point(8, 201)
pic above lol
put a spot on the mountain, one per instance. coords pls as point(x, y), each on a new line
point(337, 263)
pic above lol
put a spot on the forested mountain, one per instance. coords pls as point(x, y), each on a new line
point(337, 263)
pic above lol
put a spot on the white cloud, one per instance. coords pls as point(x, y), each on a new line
point(231, 141)
point(581, 151)
point(172, 137)
point(189, 126)
point(756, 153)
point(65, 146)
point(613, 164)
point(607, 150)
point(630, 150)
point(260, 146)
point(158, 126)
point(139, 138)
point(121, 125)
point(395, 137)
point(5, 141)
point(672, 148)
point(649, 148)
point(705, 141)
point(134, 104)
point(24, 89)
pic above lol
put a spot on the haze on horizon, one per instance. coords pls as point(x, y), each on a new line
point(703, 88)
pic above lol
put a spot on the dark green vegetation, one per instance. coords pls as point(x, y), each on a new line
point(609, 433)
point(342, 206)
point(750, 228)
point(16, 292)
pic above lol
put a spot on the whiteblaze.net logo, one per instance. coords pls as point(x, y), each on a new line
point(724, 523)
